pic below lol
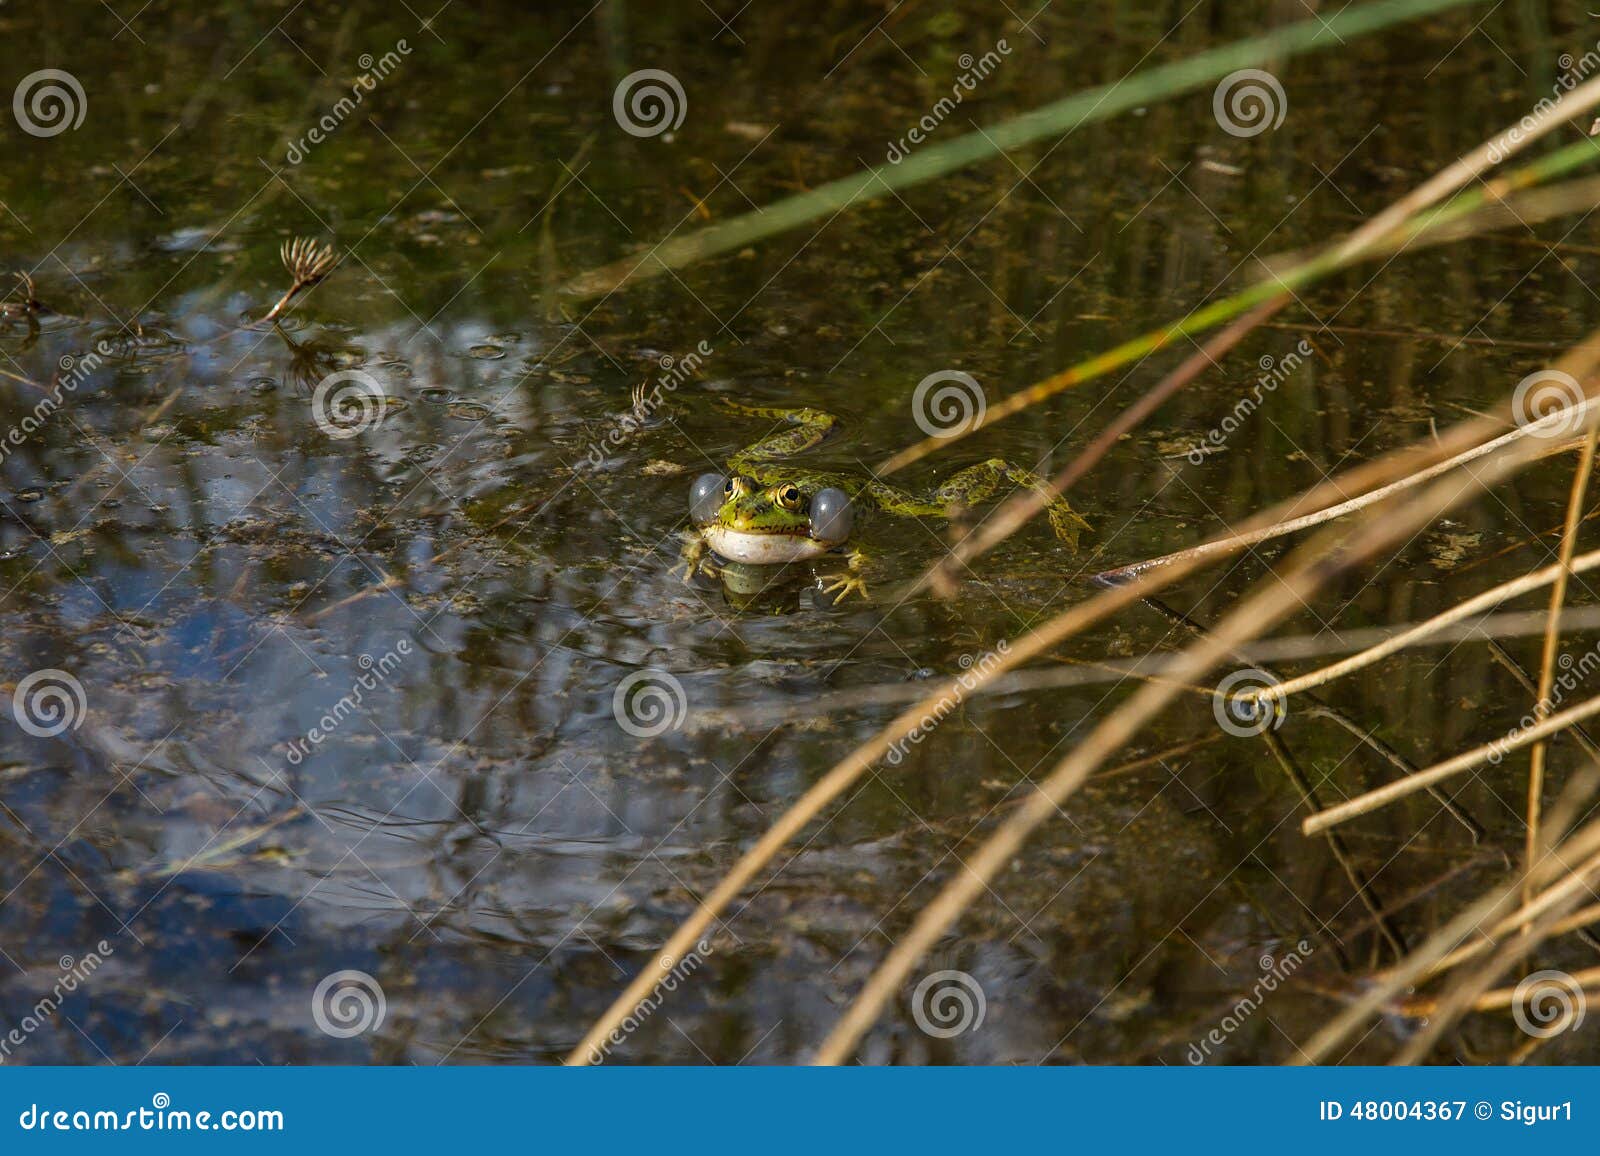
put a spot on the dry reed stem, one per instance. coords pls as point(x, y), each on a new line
point(1552, 643)
point(1494, 596)
point(1500, 999)
point(1382, 796)
point(1342, 509)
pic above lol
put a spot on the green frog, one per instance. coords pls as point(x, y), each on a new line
point(765, 511)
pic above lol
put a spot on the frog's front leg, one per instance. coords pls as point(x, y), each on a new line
point(695, 558)
point(841, 586)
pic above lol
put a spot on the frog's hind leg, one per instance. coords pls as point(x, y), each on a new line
point(804, 428)
point(979, 483)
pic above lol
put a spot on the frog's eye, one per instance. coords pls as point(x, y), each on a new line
point(789, 497)
point(706, 495)
point(832, 517)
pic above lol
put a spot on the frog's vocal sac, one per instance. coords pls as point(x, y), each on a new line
point(768, 511)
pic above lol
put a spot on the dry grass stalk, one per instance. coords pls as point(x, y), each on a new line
point(1552, 643)
point(308, 261)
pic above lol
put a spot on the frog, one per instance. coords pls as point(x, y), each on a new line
point(766, 510)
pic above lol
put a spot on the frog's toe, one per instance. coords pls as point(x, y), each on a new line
point(843, 585)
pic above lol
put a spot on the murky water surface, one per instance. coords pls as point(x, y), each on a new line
point(349, 701)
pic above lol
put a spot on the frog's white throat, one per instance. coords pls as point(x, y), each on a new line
point(762, 549)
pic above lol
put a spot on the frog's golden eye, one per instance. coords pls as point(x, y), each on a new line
point(789, 497)
point(728, 487)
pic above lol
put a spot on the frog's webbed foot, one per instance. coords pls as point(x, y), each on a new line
point(841, 586)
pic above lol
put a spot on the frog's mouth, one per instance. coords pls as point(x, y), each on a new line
point(766, 549)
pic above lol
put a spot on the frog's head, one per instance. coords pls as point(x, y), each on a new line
point(745, 521)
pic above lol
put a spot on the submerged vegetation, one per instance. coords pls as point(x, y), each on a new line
point(360, 712)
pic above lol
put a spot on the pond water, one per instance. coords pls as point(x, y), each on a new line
point(348, 702)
